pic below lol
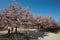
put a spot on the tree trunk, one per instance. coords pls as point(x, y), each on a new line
point(16, 29)
point(8, 31)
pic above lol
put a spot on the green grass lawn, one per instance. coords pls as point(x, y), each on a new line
point(14, 36)
point(53, 30)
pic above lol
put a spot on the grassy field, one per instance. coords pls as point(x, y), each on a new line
point(14, 36)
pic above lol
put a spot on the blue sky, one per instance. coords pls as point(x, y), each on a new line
point(38, 7)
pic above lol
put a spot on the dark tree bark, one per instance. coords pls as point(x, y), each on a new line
point(12, 29)
point(16, 29)
point(8, 31)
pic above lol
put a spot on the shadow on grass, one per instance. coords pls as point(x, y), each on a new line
point(16, 36)
point(37, 34)
point(53, 30)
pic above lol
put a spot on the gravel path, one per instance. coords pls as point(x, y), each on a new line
point(51, 36)
point(18, 30)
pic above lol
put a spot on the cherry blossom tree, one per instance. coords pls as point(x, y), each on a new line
point(17, 16)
